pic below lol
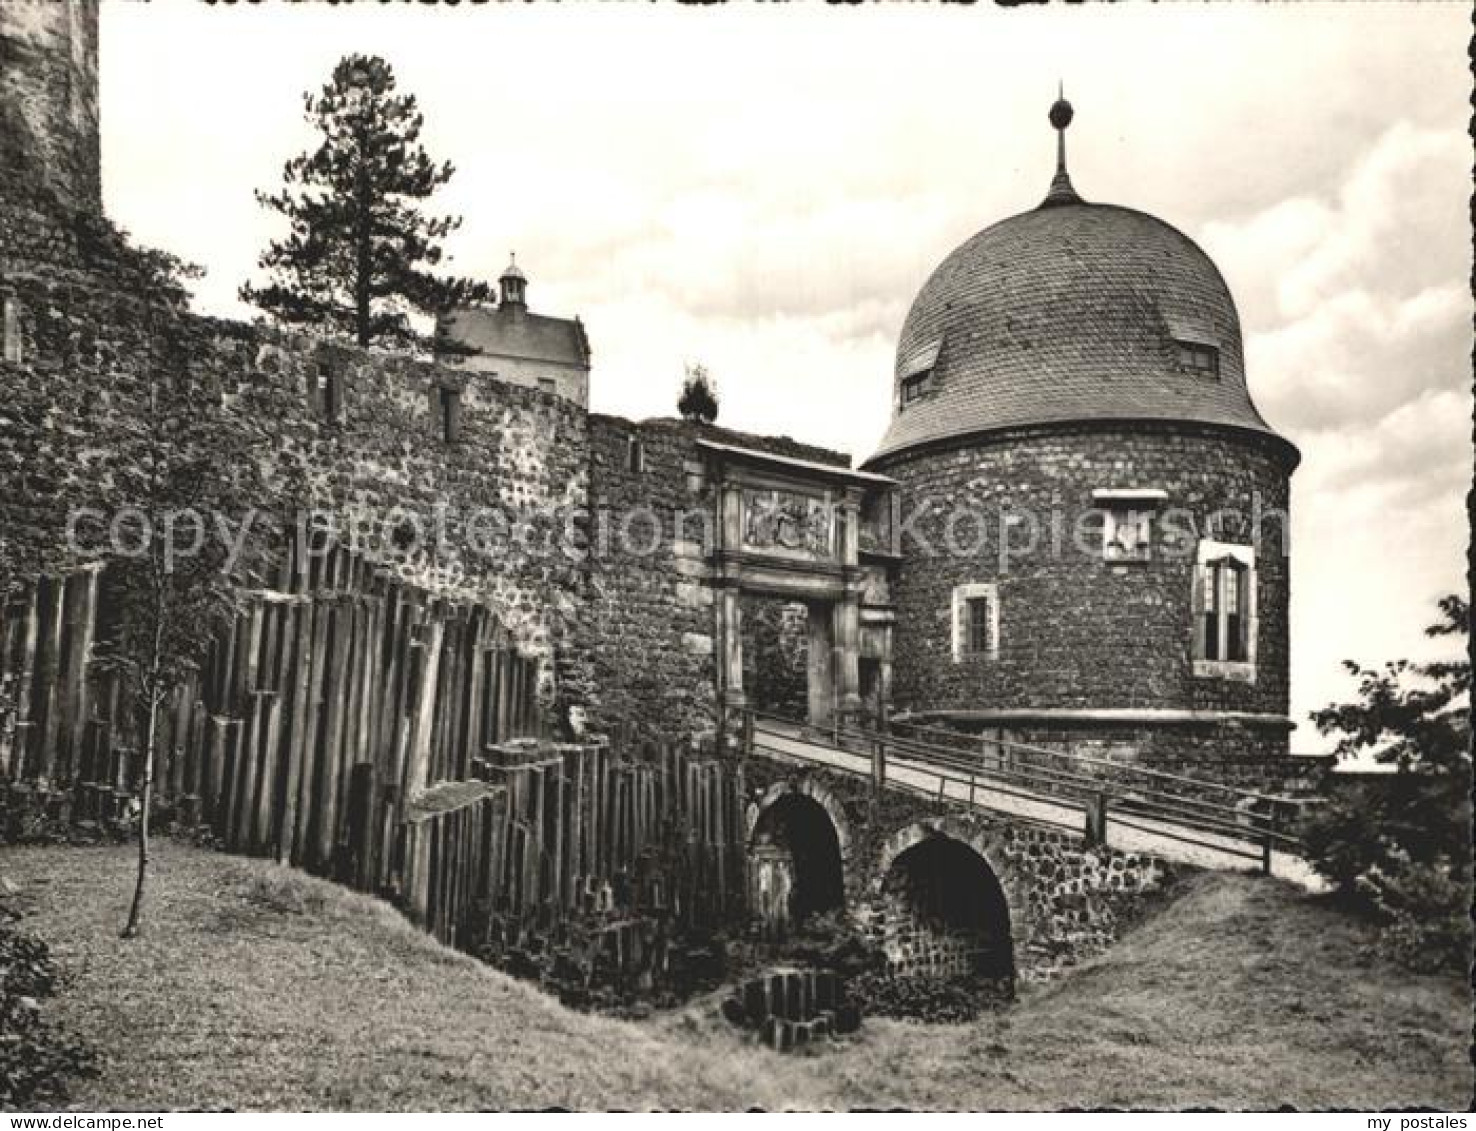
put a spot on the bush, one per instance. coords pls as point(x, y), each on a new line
point(36, 1058)
point(1400, 844)
point(699, 399)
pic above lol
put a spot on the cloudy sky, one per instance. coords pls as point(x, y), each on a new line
point(765, 190)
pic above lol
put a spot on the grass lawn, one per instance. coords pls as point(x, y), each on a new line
point(257, 988)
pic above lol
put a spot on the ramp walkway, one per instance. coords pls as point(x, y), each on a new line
point(1126, 807)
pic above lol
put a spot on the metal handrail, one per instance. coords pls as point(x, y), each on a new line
point(1072, 755)
point(1136, 795)
point(1205, 815)
point(909, 787)
point(1090, 782)
point(1189, 809)
point(1062, 786)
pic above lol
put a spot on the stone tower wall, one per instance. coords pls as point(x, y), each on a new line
point(49, 97)
point(1076, 632)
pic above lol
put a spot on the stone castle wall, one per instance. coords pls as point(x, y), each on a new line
point(1075, 631)
point(650, 621)
point(590, 572)
point(481, 517)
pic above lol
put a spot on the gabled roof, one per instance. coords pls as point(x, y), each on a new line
point(501, 331)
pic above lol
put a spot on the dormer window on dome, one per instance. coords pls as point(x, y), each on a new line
point(1199, 359)
point(917, 376)
point(916, 387)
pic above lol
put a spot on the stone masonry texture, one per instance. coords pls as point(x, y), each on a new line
point(1075, 631)
point(380, 461)
point(1066, 900)
point(49, 97)
point(650, 623)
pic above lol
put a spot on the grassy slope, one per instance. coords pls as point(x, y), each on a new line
point(256, 988)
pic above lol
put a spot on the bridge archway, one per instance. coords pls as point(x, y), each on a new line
point(943, 907)
point(798, 842)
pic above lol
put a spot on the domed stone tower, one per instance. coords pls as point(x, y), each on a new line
point(49, 99)
point(1095, 515)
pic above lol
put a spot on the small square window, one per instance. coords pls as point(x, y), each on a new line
point(1199, 359)
point(1127, 521)
point(548, 385)
point(916, 387)
point(1126, 535)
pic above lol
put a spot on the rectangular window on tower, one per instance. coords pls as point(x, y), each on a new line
point(975, 622)
point(1224, 612)
point(12, 331)
point(978, 625)
point(1127, 521)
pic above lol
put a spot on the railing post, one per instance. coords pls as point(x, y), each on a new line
point(747, 739)
point(879, 764)
point(1096, 818)
point(1266, 841)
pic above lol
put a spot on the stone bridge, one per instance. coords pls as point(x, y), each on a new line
point(958, 878)
point(941, 888)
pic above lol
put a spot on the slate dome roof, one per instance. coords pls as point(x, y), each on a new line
point(1072, 311)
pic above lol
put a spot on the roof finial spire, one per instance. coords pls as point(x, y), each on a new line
point(514, 284)
point(1061, 115)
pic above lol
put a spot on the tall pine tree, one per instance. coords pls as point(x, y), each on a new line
point(356, 261)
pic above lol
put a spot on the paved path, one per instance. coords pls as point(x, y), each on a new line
point(1155, 836)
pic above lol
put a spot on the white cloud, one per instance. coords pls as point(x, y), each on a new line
point(1358, 319)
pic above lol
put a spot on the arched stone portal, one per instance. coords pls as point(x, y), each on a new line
point(797, 849)
point(944, 911)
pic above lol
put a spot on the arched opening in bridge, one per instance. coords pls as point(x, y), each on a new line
point(795, 863)
point(946, 913)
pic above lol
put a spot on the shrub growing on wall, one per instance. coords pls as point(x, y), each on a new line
point(699, 399)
